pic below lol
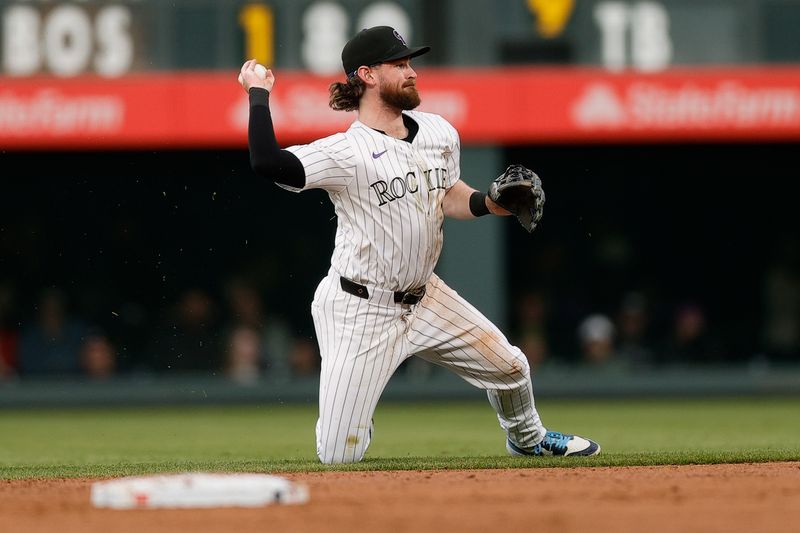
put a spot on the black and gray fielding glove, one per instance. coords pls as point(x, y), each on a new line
point(519, 190)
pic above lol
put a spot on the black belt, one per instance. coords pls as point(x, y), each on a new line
point(410, 297)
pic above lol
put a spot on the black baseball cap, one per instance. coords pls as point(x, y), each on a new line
point(376, 45)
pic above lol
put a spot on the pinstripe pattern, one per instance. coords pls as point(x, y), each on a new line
point(388, 194)
point(448, 331)
point(363, 341)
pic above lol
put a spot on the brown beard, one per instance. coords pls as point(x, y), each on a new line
point(402, 98)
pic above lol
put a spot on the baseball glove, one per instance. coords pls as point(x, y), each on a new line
point(519, 190)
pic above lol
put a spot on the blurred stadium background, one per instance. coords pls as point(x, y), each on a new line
point(141, 261)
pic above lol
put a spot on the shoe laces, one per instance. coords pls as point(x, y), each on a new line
point(556, 442)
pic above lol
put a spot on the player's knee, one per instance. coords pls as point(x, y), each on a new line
point(343, 445)
point(519, 366)
point(330, 454)
point(509, 364)
point(350, 449)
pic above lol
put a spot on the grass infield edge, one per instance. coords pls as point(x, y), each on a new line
point(21, 472)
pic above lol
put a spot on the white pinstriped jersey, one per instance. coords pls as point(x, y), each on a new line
point(387, 194)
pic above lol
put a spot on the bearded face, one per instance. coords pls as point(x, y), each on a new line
point(402, 95)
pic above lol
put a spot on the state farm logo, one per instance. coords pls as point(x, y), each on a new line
point(599, 105)
point(656, 105)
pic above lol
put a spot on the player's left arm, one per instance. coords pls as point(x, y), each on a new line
point(463, 202)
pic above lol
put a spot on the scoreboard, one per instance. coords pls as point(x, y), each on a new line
point(133, 73)
point(115, 38)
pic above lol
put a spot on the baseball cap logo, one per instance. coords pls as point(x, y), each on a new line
point(399, 37)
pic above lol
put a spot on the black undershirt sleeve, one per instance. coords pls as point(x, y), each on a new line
point(266, 157)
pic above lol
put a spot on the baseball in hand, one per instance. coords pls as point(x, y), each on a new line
point(261, 71)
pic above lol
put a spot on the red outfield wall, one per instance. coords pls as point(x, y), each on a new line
point(495, 106)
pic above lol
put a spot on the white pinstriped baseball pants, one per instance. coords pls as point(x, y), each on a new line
point(363, 341)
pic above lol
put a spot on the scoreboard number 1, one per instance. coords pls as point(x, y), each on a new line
point(258, 23)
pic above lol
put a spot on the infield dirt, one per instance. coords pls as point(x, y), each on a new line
point(711, 498)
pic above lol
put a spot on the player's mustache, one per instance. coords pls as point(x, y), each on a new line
point(410, 83)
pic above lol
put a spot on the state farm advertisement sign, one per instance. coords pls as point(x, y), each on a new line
point(724, 104)
point(488, 106)
point(48, 111)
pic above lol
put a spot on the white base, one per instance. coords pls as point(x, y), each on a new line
point(196, 490)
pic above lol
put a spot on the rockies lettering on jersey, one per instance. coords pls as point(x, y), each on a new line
point(398, 187)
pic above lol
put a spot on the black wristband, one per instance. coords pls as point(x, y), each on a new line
point(258, 96)
point(477, 204)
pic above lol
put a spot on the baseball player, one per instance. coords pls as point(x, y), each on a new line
point(392, 177)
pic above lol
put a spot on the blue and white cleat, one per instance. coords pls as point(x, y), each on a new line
point(556, 443)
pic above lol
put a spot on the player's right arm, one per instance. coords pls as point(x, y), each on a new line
point(266, 157)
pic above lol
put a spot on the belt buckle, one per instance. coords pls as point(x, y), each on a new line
point(413, 296)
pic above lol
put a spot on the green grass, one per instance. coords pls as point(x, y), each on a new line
point(280, 438)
